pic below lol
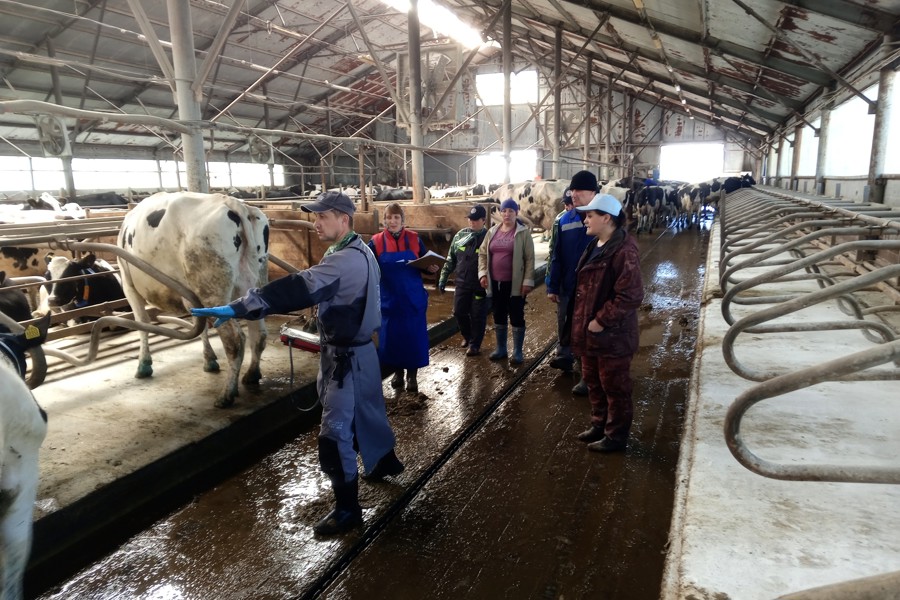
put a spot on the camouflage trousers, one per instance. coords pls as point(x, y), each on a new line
point(609, 391)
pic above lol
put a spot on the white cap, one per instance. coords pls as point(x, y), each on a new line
point(604, 203)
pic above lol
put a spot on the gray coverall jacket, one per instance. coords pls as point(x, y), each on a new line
point(345, 285)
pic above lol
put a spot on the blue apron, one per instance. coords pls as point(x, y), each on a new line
point(403, 338)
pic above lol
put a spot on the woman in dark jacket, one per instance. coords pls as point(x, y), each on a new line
point(608, 293)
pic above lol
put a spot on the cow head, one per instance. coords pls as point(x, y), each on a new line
point(66, 289)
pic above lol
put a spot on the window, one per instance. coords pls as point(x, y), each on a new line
point(691, 163)
point(490, 168)
point(850, 137)
point(121, 174)
point(523, 88)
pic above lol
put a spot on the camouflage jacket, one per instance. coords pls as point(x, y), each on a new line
point(609, 290)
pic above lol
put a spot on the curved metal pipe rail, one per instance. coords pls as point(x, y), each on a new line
point(67, 234)
point(188, 332)
point(781, 238)
point(840, 369)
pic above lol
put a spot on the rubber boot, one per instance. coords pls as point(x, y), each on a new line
point(386, 466)
point(397, 379)
point(518, 337)
point(500, 352)
point(412, 384)
point(347, 513)
point(580, 389)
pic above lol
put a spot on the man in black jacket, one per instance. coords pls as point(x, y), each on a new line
point(469, 301)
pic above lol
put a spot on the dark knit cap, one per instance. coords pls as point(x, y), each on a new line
point(584, 180)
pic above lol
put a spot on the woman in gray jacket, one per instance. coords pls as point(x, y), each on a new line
point(506, 271)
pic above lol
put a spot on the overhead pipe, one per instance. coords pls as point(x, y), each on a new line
point(178, 126)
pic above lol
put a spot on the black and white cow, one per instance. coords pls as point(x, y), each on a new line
point(735, 183)
point(650, 200)
point(43, 209)
point(100, 199)
point(21, 262)
point(215, 245)
point(77, 284)
point(13, 303)
point(23, 427)
point(539, 201)
point(71, 286)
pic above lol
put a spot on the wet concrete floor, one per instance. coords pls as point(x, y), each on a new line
point(521, 510)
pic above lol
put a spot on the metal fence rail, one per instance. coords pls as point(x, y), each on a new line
point(75, 236)
point(850, 251)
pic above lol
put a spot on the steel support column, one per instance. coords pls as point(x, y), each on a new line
point(586, 153)
point(822, 154)
point(507, 99)
point(882, 129)
point(557, 103)
point(417, 157)
point(57, 96)
point(795, 157)
point(778, 154)
point(607, 172)
point(188, 103)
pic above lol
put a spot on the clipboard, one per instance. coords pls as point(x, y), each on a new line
point(430, 258)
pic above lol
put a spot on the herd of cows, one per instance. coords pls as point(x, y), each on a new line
point(217, 247)
point(647, 203)
point(220, 267)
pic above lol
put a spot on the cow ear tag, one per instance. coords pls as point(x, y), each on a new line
point(32, 332)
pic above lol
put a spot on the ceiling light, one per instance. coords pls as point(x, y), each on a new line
point(683, 101)
point(669, 67)
point(677, 88)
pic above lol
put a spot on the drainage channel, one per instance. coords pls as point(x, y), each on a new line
point(343, 562)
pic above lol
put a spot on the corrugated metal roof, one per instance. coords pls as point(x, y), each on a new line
point(747, 66)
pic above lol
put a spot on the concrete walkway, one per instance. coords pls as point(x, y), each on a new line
point(738, 535)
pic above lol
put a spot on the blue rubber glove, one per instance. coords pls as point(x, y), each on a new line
point(222, 313)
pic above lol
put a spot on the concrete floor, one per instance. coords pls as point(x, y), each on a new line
point(521, 510)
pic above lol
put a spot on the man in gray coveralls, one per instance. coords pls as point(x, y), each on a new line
point(345, 286)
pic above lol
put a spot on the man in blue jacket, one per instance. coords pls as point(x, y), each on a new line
point(568, 240)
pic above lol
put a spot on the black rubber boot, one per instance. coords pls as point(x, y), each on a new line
point(347, 513)
point(397, 379)
point(594, 434)
point(388, 465)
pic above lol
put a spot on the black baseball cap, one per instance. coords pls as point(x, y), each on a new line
point(477, 212)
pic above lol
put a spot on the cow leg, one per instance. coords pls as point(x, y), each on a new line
point(256, 334)
point(210, 360)
point(145, 361)
point(232, 337)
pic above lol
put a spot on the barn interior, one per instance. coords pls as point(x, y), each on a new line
point(431, 105)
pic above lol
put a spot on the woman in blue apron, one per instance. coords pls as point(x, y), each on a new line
point(403, 337)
